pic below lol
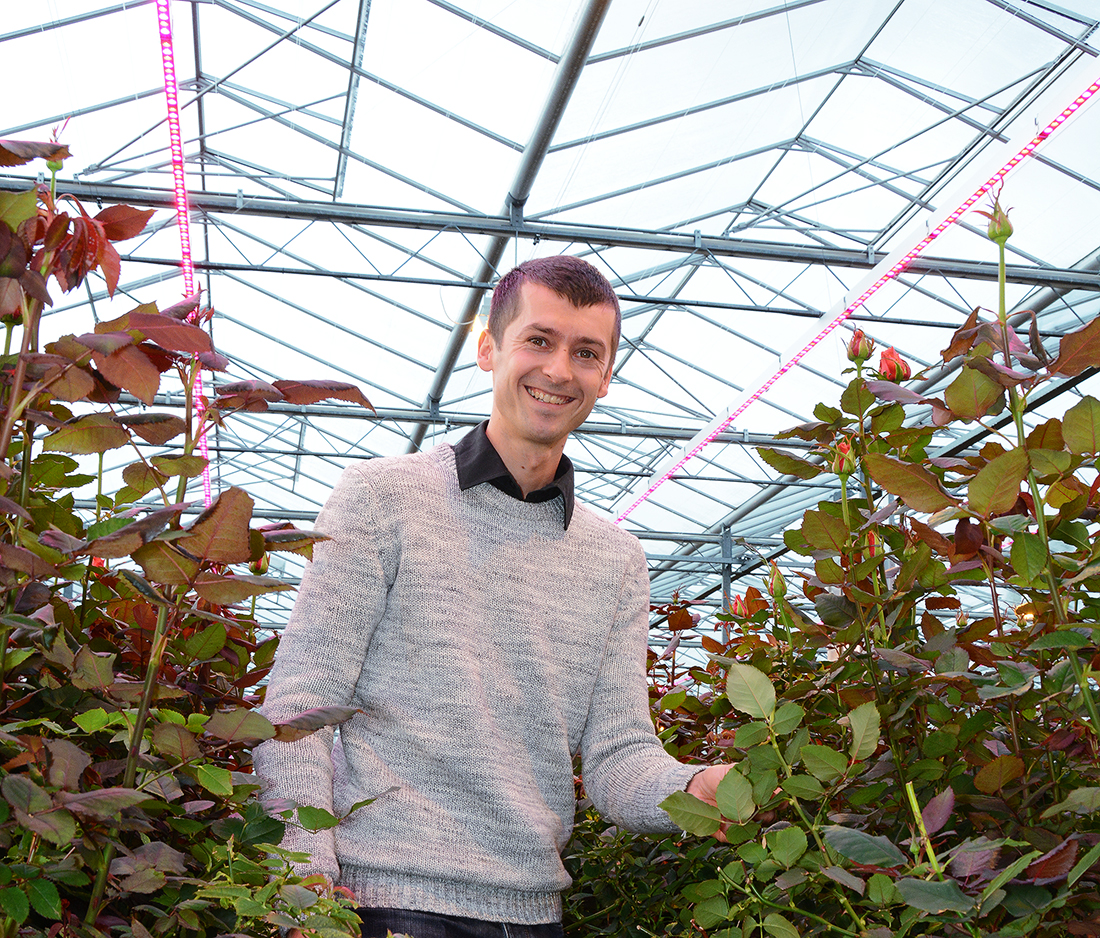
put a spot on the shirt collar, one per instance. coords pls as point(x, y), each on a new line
point(477, 461)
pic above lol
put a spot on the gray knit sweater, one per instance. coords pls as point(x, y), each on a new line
point(486, 646)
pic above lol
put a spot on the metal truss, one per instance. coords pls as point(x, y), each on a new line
point(726, 203)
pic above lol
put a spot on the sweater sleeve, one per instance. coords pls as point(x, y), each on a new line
point(321, 652)
point(627, 772)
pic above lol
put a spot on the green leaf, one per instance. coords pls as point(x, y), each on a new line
point(204, 645)
point(778, 927)
point(824, 532)
point(840, 875)
point(784, 462)
point(240, 723)
point(711, 912)
point(44, 898)
point(750, 734)
point(686, 811)
point(750, 691)
point(866, 726)
point(913, 484)
point(1028, 556)
point(972, 394)
point(823, 763)
point(1064, 638)
point(15, 904)
point(1049, 462)
point(1083, 865)
point(215, 780)
point(863, 848)
point(997, 486)
point(945, 896)
point(787, 845)
point(92, 721)
point(94, 433)
point(734, 796)
point(805, 787)
point(1079, 801)
point(1081, 426)
point(856, 399)
point(787, 718)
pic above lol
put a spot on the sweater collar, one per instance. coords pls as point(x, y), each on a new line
point(477, 461)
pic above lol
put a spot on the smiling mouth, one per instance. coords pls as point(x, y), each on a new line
point(545, 397)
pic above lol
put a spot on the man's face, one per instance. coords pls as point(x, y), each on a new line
point(552, 364)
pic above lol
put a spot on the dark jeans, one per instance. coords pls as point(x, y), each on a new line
point(376, 922)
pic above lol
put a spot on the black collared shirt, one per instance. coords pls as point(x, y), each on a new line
point(477, 461)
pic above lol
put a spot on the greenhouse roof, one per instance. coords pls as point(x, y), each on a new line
point(756, 179)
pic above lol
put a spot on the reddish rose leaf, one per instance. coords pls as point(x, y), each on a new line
point(1079, 350)
point(963, 338)
point(974, 857)
point(226, 590)
point(184, 307)
point(938, 811)
point(309, 392)
point(165, 331)
point(930, 536)
point(130, 368)
point(105, 342)
point(23, 560)
point(1054, 864)
point(998, 773)
point(122, 222)
point(310, 721)
point(157, 429)
point(221, 532)
point(889, 391)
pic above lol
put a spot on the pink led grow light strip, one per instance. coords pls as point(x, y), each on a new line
point(889, 275)
point(183, 215)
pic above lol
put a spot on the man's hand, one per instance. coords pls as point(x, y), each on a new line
point(704, 786)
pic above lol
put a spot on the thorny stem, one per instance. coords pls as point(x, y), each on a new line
point(810, 826)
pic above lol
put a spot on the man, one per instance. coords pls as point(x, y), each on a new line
point(489, 630)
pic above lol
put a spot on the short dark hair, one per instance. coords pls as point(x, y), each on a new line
point(570, 277)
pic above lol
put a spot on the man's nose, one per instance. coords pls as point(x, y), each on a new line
point(558, 366)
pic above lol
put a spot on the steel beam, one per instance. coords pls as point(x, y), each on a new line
point(503, 226)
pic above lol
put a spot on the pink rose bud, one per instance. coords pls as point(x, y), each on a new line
point(860, 348)
point(893, 367)
point(844, 463)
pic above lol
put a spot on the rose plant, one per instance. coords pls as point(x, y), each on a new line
point(901, 765)
point(128, 669)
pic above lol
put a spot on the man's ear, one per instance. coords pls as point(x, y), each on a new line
point(485, 350)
